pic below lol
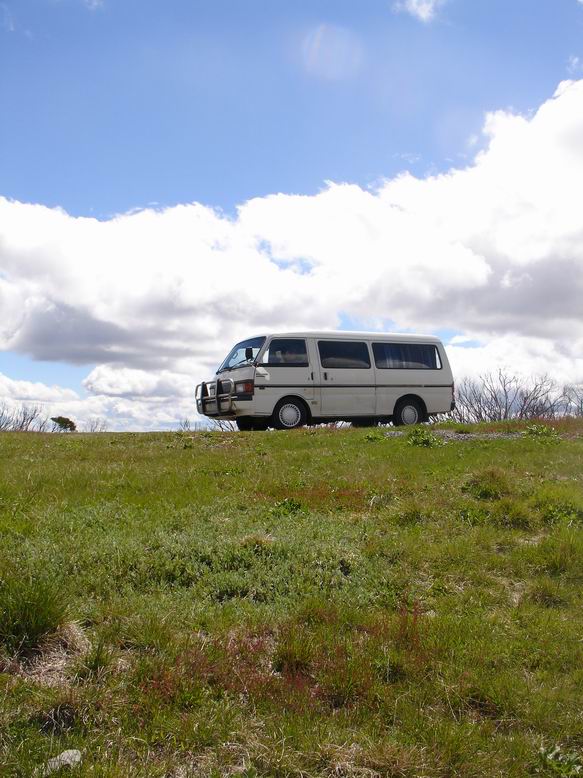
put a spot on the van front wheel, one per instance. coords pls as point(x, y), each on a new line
point(408, 411)
point(289, 413)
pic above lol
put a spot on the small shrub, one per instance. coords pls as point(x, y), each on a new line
point(63, 424)
point(511, 514)
point(561, 555)
point(480, 704)
point(378, 501)
point(556, 509)
point(343, 679)
point(554, 761)
point(230, 586)
point(293, 654)
point(149, 632)
point(318, 610)
point(547, 592)
point(474, 515)
point(542, 433)
point(419, 436)
point(287, 507)
point(31, 608)
point(390, 668)
point(490, 484)
point(96, 663)
point(259, 545)
point(374, 437)
point(57, 720)
point(411, 515)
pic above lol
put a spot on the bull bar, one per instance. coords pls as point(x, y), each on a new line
point(217, 403)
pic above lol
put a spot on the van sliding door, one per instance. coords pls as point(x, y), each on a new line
point(346, 378)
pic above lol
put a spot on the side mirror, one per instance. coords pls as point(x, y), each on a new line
point(248, 353)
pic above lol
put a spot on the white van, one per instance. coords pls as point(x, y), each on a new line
point(286, 380)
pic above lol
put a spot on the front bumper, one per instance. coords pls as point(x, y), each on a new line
point(217, 399)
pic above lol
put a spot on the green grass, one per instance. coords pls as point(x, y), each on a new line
point(313, 603)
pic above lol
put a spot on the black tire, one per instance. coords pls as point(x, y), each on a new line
point(408, 411)
point(289, 414)
point(367, 421)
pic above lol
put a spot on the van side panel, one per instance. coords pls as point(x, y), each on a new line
point(433, 386)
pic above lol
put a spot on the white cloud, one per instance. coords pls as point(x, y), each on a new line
point(155, 298)
point(574, 64)
point(121, 411)
point(36, 392)
point(515, 355)
point(424, 10)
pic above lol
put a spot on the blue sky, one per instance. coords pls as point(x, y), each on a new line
point(123, 104)
point(136, 102)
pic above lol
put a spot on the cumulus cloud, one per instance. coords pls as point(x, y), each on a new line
point(515, 355)
point(424, 10)
point(119, 409)
point(36, 392)
point(155, 298)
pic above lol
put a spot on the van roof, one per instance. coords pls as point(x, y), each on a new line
point(352, 335)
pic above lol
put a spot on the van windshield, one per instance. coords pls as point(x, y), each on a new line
point(237, 356)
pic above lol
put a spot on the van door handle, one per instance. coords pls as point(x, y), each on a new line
point(312, 376)
point(325, 376)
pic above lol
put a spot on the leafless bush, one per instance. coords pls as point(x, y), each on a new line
point(25, 418)
point(500, 396)
point(95, 425)
point(185, 425)
point(30, 418)
point(5, 419)
point(574, 401)
point(222, 425)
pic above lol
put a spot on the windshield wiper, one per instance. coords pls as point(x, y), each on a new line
point(251, 359)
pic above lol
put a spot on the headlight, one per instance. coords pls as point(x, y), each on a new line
point(244, 387)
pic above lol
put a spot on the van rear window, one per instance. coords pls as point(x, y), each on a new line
point(348, 354)
point(406, 356)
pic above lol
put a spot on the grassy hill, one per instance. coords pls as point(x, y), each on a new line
point(315, 603)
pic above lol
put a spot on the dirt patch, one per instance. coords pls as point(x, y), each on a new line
point(50, 666)
point(453, 435)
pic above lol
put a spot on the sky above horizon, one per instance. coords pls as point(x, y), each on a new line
point(175, 176)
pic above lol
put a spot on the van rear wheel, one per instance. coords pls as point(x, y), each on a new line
point(289, 414)
point(408, 411)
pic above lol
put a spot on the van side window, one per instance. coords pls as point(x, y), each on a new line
point(347, 354)
point(286, 352)
point(406, 356)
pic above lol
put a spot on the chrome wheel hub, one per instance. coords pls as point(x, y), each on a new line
point(410, 415)
point(289, 415)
